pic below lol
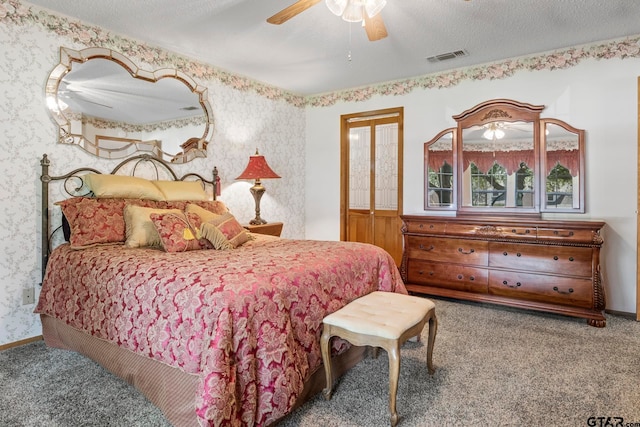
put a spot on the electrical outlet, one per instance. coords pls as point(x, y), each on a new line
point(28, 296)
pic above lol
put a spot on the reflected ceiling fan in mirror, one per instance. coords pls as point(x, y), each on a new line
point(365, 11)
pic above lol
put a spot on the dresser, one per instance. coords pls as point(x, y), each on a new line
point(537, 264)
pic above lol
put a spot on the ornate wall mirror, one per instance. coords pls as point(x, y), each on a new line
point(502, 158)
point(102, 102)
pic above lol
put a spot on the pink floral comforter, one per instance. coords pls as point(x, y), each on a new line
point(247, 321)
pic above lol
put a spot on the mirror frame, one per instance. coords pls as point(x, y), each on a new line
point(454, 158)
point(507, 110)
point(580, 208)
point(194, 147)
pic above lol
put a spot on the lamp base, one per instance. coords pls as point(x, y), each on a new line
point(257, 190)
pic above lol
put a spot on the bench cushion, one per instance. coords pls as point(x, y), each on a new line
point(382, 314)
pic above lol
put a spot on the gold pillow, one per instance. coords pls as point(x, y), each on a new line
point(204, 214)
point(181, 190)
point(121, 186)
point(139, 229)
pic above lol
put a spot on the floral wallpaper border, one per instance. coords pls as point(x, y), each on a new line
point(13, 11)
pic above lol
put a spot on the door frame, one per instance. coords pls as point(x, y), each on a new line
point(344, 157)
point(638, 210)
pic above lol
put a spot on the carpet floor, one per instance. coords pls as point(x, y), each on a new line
point(495, 366)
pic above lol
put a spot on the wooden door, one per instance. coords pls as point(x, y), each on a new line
point(371, 179)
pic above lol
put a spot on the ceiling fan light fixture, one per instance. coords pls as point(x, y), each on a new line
point(353, 11)
point(337, 7)
point(373, 7)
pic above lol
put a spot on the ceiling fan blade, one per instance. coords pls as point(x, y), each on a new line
point(289, 12)
point(375, 27)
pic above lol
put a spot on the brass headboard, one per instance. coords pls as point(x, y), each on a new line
point(73, 185)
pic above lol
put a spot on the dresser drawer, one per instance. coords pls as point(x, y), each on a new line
point(566, 235)
point(458, 277)
point(565, 260)
point(460, 251)
point(427, 227)
point(543, 288)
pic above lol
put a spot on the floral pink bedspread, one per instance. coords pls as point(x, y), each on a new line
point(246, 321)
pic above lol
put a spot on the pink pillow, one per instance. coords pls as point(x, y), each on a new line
point(179, 232)
point(96, 221)
point(235, 233)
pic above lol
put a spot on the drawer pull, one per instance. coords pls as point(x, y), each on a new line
point(472, 278)
point(570, 291)
point(514, 231)
point(518, 254)
point(517, 285)
point(460, 276)
point(557, 233)
point(421, 272)
point(570, 258)
point(421, 226)
point(466, 252)
point(504, 253)
point(430, 248)
point(555, 258)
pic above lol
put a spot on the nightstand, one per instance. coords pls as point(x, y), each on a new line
point(270, 228)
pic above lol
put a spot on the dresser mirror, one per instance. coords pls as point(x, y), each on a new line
point(102, 102)
point(502, 158)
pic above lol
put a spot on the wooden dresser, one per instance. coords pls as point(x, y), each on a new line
point(537, 264)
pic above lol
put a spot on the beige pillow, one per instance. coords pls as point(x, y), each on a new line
point(121, 186)
point(139, 229)
point(204, 214)
point(181, 190)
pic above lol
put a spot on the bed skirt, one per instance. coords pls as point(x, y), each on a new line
point(172, 390)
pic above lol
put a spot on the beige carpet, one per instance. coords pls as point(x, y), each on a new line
point(494, 367)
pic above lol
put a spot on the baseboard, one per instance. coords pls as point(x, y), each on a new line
point(625, 314)
point(19, 343)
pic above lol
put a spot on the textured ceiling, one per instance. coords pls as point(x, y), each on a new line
point(317, 52)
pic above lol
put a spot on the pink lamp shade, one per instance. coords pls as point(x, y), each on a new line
point(257, 169)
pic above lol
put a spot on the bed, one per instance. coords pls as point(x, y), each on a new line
point(212, 331)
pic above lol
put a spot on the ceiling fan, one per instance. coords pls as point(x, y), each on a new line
point(365, 11)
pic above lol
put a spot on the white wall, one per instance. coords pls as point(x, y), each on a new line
point(599, 96)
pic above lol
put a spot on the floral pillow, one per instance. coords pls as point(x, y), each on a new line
point(139, 229)
point(229, 226)
point(96, 221)
point(179, 232)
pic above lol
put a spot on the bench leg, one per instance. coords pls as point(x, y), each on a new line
point(433, 329)
point(326, 361)
point(394, 372)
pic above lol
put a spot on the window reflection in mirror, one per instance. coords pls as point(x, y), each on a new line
point(563, 166)
point(439, 184)
point(498, 161)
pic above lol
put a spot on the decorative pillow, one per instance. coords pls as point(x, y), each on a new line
point(95, 221)
point(178, 232)
point(204, 214)
point(139, 229)
point(229, 226)
point(214, 236)
point(216, 206)
point(181, 190)
point(121, 186)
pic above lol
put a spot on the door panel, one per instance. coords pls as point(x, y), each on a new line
point(371, 181)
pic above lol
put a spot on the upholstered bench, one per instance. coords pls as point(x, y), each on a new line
point(380, 319)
